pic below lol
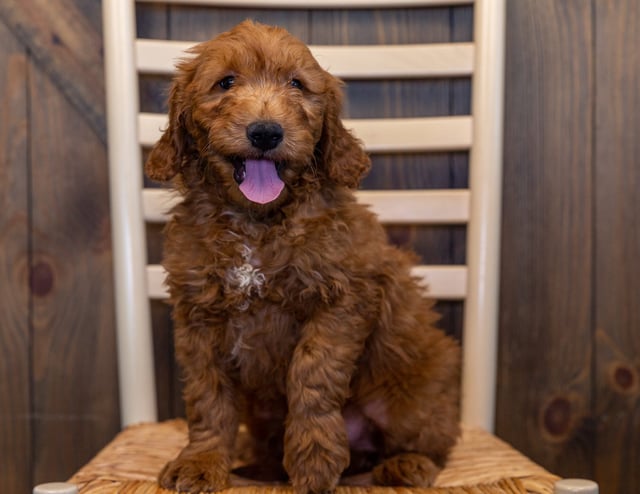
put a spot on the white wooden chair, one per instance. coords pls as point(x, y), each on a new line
point(476, 283)
point(477, 207)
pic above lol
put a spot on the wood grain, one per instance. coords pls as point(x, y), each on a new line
point(15, 385)
point(200, 23)
point(151, 20)
point(544, 388)
point(64, 38)
point(617, 237)
point(74, 366)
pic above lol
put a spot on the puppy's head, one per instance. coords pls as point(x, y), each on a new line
point(254, 115)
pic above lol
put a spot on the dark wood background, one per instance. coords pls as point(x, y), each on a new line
point(569, 370)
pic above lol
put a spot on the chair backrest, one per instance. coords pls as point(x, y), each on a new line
point(477, 207)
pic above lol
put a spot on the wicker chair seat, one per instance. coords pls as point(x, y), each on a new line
point(479, 464)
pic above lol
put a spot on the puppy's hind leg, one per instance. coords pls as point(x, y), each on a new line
point(415, 459)
point(406, 469)
point(417, 445)
point(419, 426)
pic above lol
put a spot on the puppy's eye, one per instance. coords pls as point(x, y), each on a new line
point(296, 84)
point(226, 83)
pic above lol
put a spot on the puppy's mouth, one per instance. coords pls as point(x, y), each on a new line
point(258, 179)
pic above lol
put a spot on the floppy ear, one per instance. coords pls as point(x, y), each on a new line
point(343, 155)
point(169, 155)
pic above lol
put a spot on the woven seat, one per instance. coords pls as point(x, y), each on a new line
point(479, 464)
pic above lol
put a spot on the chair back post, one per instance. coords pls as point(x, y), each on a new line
point(134, 339)
point(480, 333)
point(483, 203)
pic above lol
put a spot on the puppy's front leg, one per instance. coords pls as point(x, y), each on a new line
point(316, 445)
point(204, 464)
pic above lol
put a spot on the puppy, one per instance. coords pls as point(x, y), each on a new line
point(292, 312)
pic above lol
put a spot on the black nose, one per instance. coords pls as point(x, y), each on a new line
point(265, 135)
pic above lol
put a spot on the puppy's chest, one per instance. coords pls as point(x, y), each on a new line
point(256, 276)
point(244, 277)
point(260, 346)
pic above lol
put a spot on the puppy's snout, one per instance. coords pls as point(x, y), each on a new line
point(265, 135)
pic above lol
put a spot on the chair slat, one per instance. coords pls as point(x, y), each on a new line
point(392, 207)
point(443, 282)
point(440, 282)
point(397, 61)
point(156, 288)
point(315, 4)
point(348, 62)
point(378, 135)
point(406, 135)
point(156, 204)
point(418, 206)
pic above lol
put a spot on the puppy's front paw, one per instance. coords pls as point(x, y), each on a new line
point(315, 457)
point(318, 480)
point(196, 472)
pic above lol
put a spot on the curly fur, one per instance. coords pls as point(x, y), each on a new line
point(296, 316)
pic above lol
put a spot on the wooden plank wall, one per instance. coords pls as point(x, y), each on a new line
point(569, 379)
point(15, 373)
point(617, 243)
point(58, 395)
point(546, 334)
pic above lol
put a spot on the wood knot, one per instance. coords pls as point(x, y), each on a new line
point(557, 418)
point(41, 279)
point(623, 378)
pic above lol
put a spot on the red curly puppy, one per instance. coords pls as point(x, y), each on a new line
point(292, 312)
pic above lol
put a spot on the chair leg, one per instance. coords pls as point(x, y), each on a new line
point(56, 488)
point(575, 486)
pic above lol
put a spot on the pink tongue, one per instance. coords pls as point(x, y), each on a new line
point(261, 183)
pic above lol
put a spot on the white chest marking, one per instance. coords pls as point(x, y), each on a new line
point(246, 278)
